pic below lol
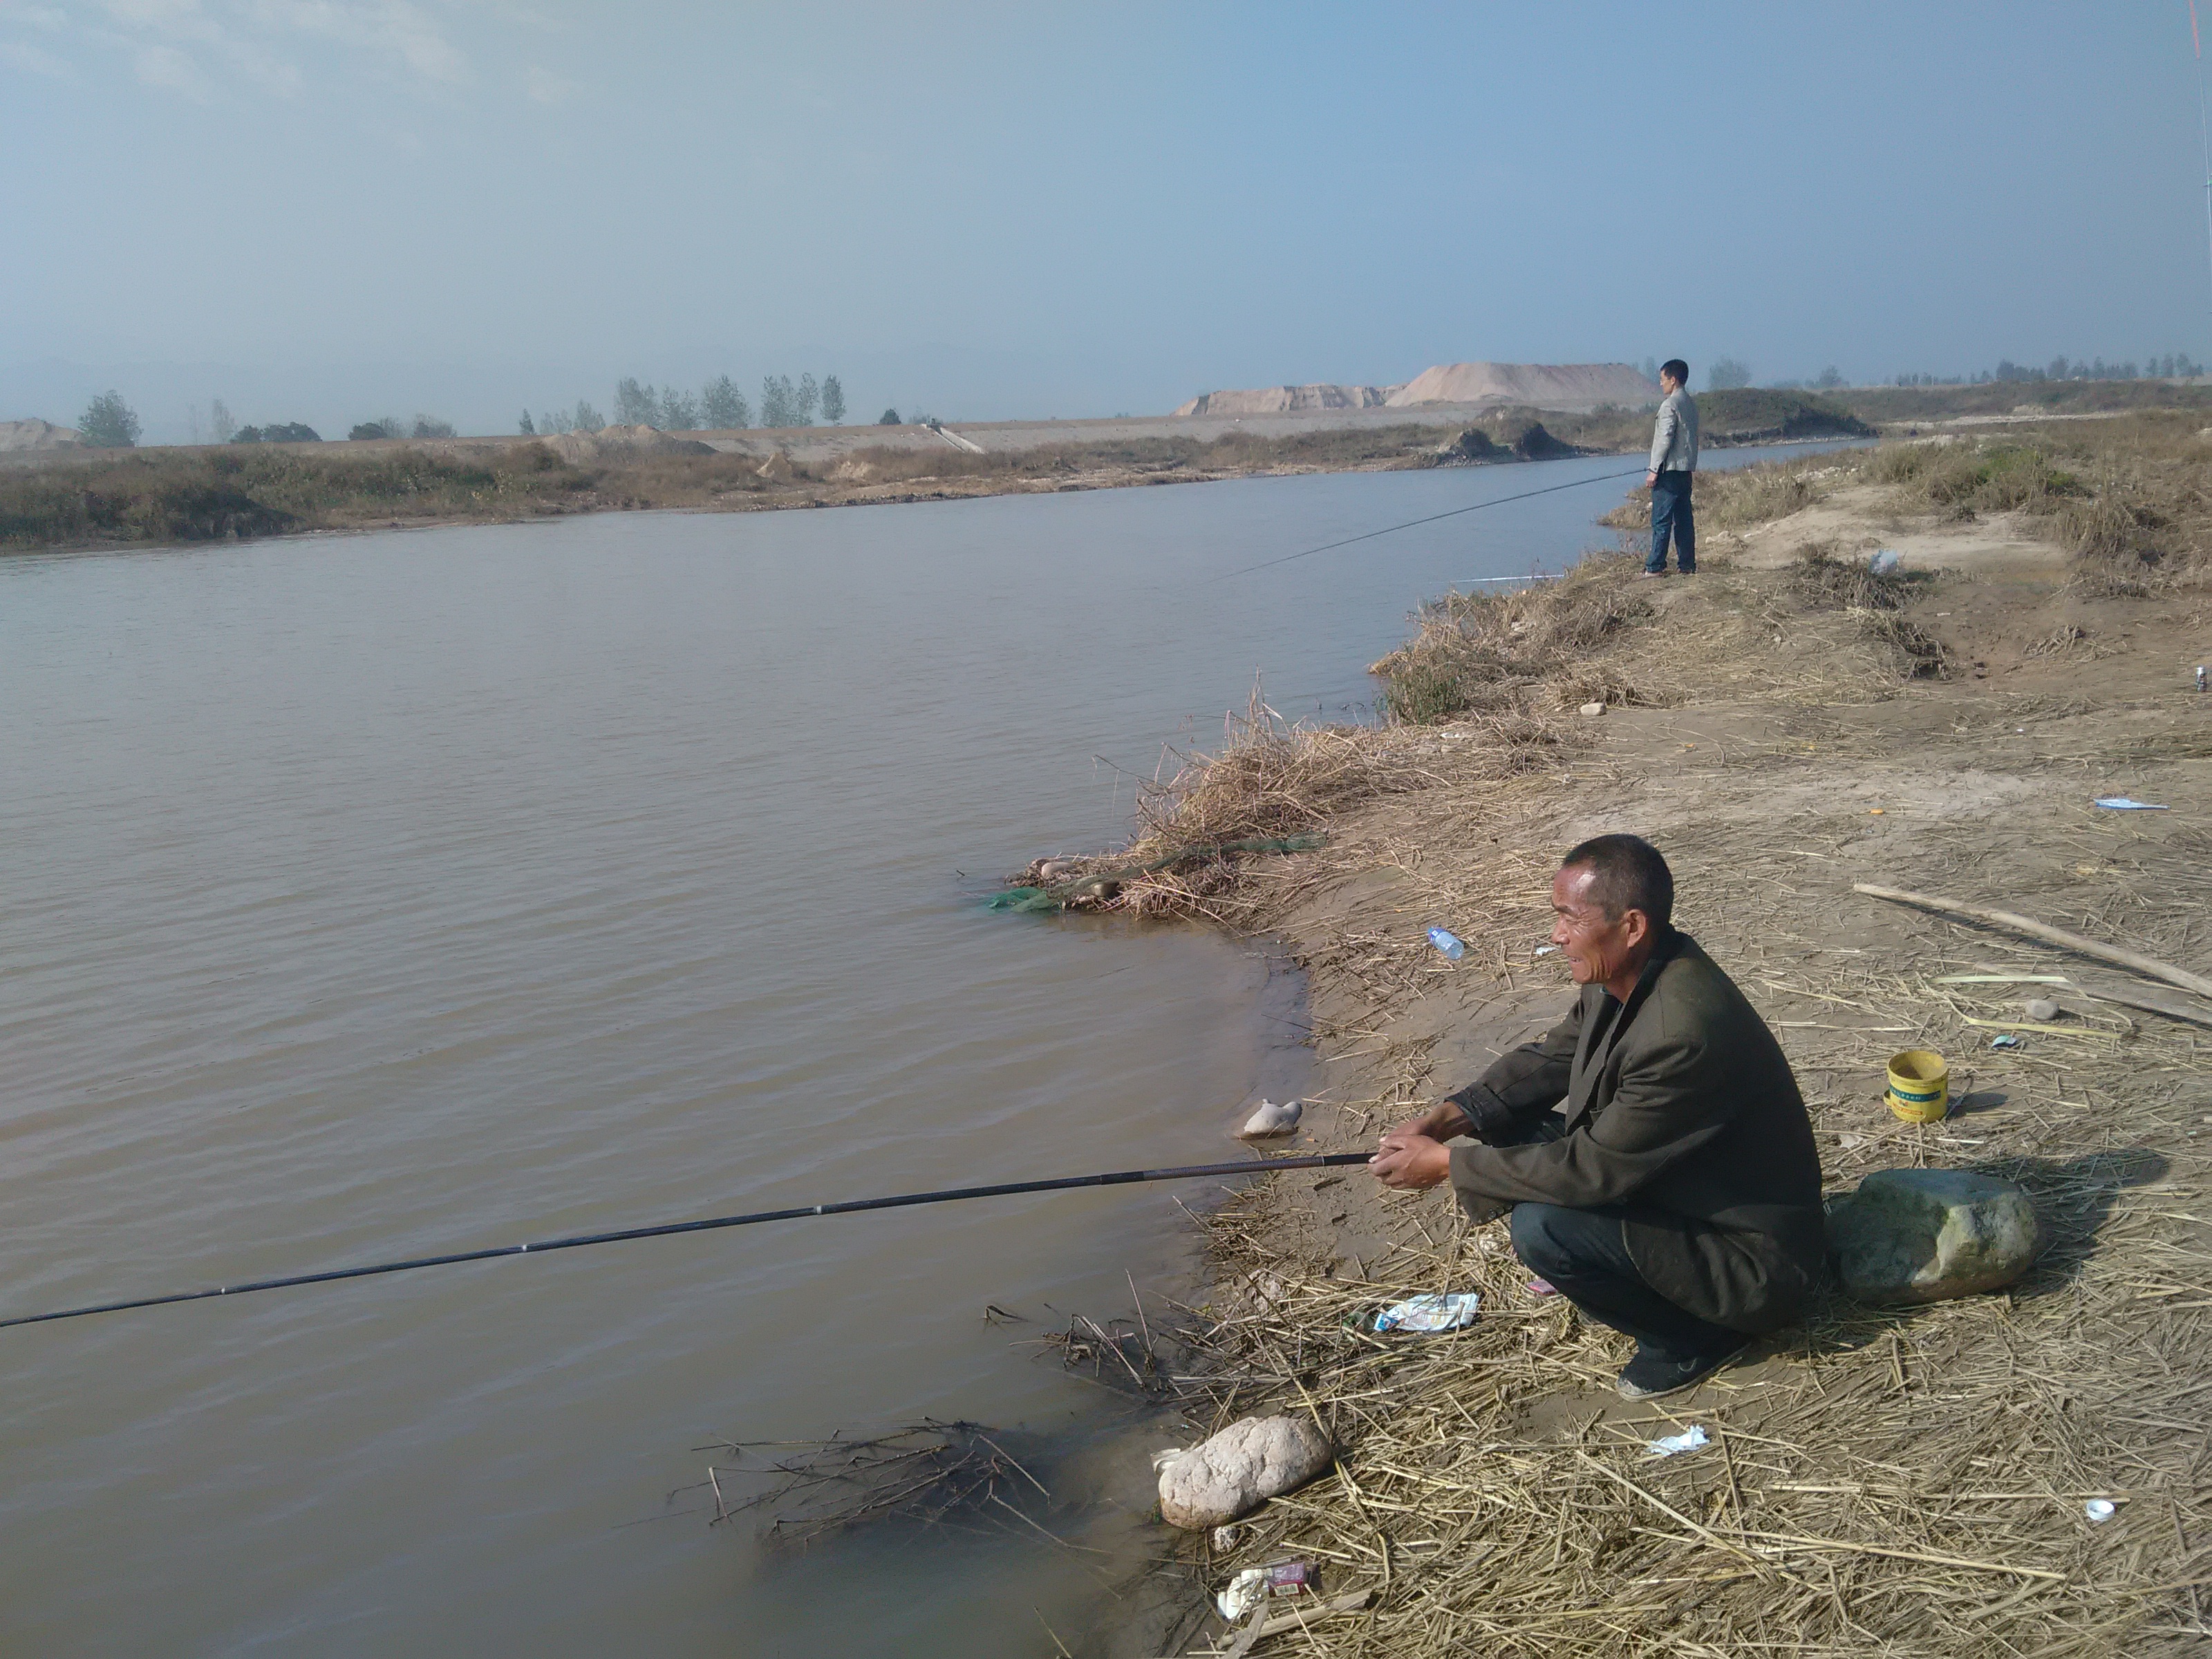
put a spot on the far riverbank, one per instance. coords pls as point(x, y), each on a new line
point(165, 497)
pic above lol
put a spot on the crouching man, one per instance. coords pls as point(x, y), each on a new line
point(1675, 1194)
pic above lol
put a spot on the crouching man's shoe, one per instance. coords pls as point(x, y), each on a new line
point(1651, 1374)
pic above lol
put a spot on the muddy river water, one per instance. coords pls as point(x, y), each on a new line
point(395, 894)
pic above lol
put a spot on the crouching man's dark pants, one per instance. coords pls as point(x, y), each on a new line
point(1584, 1255)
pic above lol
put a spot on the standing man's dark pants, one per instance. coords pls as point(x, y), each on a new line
point(1584, 1255)
point(1670, 512)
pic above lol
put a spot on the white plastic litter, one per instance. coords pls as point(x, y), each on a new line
point(2099, 1510)
point(1257, 1584)
point(1885, 563)
point(1668, 1444)
point(1244, 1592)
point(2121, 804)
point(1547, 950)
point(1428, 1313)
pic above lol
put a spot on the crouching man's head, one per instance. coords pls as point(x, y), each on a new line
point(1614, 900)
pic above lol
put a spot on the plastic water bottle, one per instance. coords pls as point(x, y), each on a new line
point(1448, 942)
point(2200, 677)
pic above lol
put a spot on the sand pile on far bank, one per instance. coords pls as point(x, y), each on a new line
point(1576, 387)
point(35, 434)
point(1280, 399)
point(1569, 388)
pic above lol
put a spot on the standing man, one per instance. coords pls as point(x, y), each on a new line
point(1674, 464)
point(1675, 1194)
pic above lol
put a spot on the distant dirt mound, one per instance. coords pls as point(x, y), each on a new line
point(1535, 443)
point(1472, 445)
point(1282, 400)
point(1756, 415)
point(614, 442)
point(1567, 387)
point(38, 434)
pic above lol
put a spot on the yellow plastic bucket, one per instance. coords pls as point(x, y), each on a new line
point(1919, 1085)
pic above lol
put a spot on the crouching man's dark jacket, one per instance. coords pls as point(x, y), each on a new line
point(1679, 1109)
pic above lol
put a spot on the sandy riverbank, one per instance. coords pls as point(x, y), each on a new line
point(1909, 1482)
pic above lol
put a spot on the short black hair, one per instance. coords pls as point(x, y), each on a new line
point(1630, 875)
point(1678, 368)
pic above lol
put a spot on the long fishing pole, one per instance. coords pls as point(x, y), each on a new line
point(578, 1241)
point(1391, 529)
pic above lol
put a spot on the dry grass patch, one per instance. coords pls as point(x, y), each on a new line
point(1822, 579)
point(1743, 496)
point(1907, 1482)
point(1515, 658)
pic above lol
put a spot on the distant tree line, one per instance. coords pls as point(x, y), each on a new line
point(391, 426)
point(717, 406)
point(2172, 365)
point(1728, 375)
point(2168, 365)
point(109, 422)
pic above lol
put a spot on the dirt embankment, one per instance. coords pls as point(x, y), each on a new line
point(1782, 726)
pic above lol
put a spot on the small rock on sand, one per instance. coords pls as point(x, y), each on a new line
point(1220, 1479)
point(1592, 710)
point(1925, 1235)
point(2043, 1008)
point(1273, 1118)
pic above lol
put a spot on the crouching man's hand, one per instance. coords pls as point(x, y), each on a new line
point(1414, 1153)
point(1440, 1122)
point(1411, 1162)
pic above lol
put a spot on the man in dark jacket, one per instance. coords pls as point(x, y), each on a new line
point(1675, 1196)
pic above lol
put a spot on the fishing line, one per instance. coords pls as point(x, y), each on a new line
point(1499, 501)
point(578, 1241)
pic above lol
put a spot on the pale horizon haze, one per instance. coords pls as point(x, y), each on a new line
point(329, 210)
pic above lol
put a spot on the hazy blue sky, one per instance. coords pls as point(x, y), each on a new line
point(325, 208)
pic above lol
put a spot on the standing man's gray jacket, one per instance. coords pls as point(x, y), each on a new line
point(1679, 1109)
point(1674, 435)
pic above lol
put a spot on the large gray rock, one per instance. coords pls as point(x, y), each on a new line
point(1239, 1469)
point(1924, 1234)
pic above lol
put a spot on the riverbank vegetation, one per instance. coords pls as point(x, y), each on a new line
point(1512, 683)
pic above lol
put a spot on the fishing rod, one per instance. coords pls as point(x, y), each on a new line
point(1391, 529)
point(578, 1241)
